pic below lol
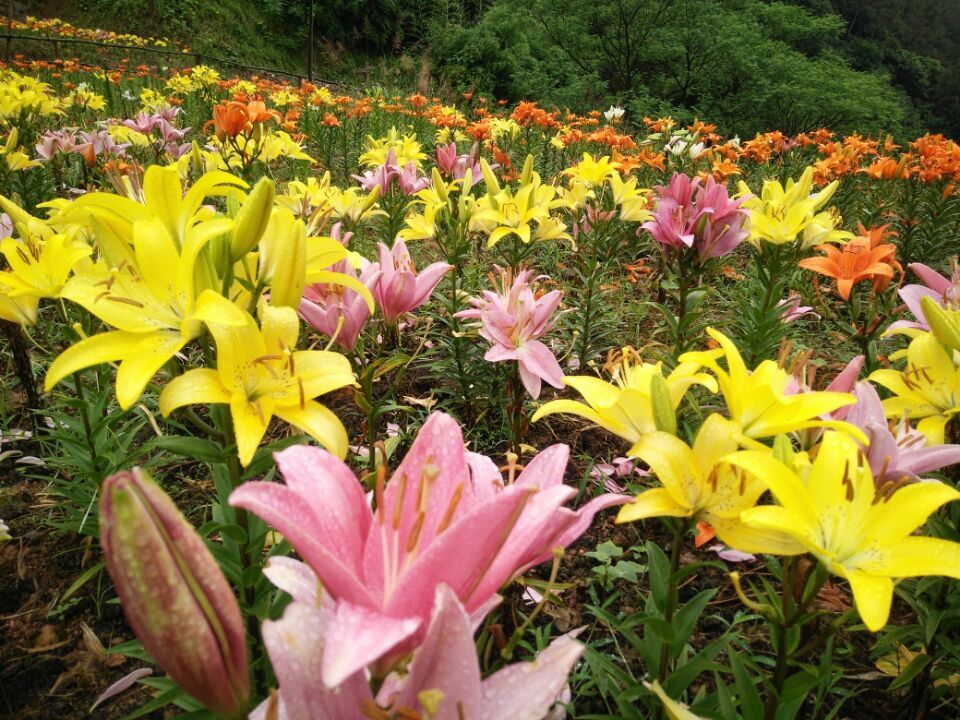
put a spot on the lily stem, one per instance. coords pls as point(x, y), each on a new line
point(679, 530)
point(85, 416)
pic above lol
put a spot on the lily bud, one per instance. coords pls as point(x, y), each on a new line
point(283, 259)
point(663, 415)
point(253, 218)
point(173, 593)
point(944, 323)
point(493, 187)
point(527, 175)
point(439, 185)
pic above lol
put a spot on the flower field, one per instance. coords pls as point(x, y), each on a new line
point(323, 405)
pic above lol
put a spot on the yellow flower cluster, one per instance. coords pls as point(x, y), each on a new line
point(826, 500)
point(24, 99)
point(160, 268)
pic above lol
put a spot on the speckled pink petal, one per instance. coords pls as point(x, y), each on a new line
point(296, 645)
point(446, 661)
point(526, 691)
point(358, 637)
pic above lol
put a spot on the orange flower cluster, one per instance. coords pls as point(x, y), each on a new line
point(232, 118)
point(929, 159)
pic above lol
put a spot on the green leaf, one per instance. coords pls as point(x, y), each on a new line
point(82, 580)
point(191, 447)
point(795, 691)
point(751, 705)
point(686, 619)
point(605, 551)
point(627, 570)
point(659, 568)
point(911, 671)
point(234, 532)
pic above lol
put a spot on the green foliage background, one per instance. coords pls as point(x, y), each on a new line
point(748, 65)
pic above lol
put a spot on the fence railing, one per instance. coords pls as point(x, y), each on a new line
point(198, 58)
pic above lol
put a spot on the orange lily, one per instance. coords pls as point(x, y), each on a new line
point(232, 118)
point(229, 119)
point(860, 259)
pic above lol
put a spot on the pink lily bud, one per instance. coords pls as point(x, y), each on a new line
point(401, 289)
point(173, 593)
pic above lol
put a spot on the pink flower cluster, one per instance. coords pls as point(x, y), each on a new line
point(698, 215)
point(512, 321)
point(407, 177)
point(87, 144)
point(159, 127)
point(396, 286)
point(455, 166)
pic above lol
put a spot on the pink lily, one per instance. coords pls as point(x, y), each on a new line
point(445, 517)
point(337, 311)
point(456, 166)
point(380, 177)
point(898, 454)
point(793, 310)
point(693, 214)
point(943, 290)
point(410, 180)
point(513, 320)
point(401, 289)
point(54, 141)
point(444, 673)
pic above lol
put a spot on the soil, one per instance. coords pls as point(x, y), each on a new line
point(50, 667)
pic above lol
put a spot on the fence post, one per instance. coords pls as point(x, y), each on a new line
point(9, 30)
point(310, 46)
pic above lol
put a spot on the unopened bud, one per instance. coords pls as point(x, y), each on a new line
point(173, 593)
point(663, 415)
point(945, 324)
point(252, 219)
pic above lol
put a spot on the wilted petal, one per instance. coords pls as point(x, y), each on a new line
point(120, 685)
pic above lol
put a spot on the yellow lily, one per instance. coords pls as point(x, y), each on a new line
point(757, 400)
point(593, 172)
point(929, 387)
point(405, 148)
point(631, 199)
point(152, 301)
point(511, 214)
point(259, 375)
point(835, 514)
point(420, 226)
point(944, 320)
point(37, 269)
point(697, 484)
point(781, 213)
point(627, 407)
point(283, 258)
point(15, 157)
point(288, 260)
point(182, 215)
